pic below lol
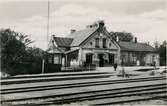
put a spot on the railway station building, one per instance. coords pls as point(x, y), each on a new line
point(94, 45)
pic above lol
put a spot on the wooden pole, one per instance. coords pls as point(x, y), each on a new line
point(48, 17)
point(43, 66)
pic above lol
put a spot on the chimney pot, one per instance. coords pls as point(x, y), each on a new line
point(101, 23)
point(72, 31)
point(135, 39)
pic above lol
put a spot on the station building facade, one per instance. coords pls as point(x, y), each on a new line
point(94, 45)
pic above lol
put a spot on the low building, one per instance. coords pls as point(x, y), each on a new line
point(95, 46)
point(141, 54)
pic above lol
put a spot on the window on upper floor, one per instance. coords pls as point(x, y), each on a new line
point(91, 43)
point(110, 44)
point(104, 43)
point(97, 42)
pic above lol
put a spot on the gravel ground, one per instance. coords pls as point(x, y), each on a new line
point(148, 102)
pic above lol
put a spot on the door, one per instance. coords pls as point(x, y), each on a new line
point(101, 60)
point(111, 59)
point(89, 59)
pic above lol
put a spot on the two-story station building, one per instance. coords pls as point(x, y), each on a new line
point(95, 45)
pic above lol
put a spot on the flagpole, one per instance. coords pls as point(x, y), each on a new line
point(47, 35)
point(48, 19)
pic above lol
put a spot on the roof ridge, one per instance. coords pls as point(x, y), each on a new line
point(62, 37)
point(81, 35)
point(134, 42)
point(93, 28)
point(136, 46)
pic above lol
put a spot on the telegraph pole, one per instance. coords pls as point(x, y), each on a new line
point(47, 34)
point(48, 19)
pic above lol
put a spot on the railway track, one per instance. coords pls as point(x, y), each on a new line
point(93, 96)
point(61, 86)
point(100, 92)
point(46, 79)
point(108, 93)
point(55, 75)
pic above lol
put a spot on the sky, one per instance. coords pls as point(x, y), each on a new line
point(145, 19)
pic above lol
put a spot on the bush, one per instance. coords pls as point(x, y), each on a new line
point(17, 57)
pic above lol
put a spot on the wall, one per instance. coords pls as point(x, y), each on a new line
point(144, 58)
point(150, 57)
point(95, 53)
point(109, 43)
point(111, 47)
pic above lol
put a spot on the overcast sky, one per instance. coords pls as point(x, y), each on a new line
point(145, 19)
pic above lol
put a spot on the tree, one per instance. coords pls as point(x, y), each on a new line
point(35, 56)
point(13, 49)
point(17, 57)
point(122, 36)
point(162, 53)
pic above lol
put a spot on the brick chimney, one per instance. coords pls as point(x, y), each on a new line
point(72, 31)
point(101, 23)
point(135, 39)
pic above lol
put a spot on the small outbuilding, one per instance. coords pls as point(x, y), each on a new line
point(140, 54)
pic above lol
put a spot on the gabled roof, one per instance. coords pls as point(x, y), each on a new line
point(132, 46)
point(75, 38)
point(63, 41)
point(82, 35)
point(55, 50)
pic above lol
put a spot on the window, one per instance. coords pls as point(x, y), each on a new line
point(56, 60)
point(91, 43)
point(110, 44)
point(153, 58)
point(134, 59)
point(97, 42)
point(50, 60)
point(104, 43)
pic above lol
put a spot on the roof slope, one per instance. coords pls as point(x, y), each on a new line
point(63, 41)
point(80, 36)
point(132, 46)
point(54, 49)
